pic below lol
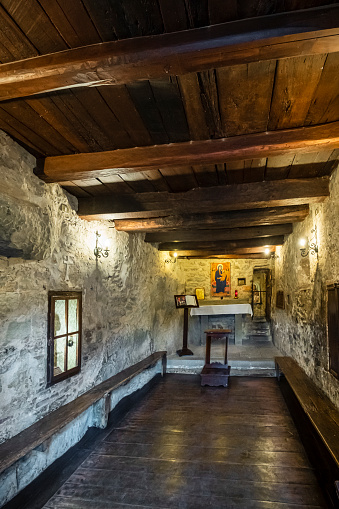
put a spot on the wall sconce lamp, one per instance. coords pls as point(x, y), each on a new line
point(311, 246)
point(172, 259)
point(100, 251)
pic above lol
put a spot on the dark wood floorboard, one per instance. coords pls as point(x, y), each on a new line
point(191, 447)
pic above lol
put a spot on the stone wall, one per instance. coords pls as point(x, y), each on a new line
point(197, 274)
point(128, 305)
point(300, 330)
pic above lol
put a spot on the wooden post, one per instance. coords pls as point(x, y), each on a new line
point(185, 350)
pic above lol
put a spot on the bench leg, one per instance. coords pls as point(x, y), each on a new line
point(101, 412)
point(164, 365)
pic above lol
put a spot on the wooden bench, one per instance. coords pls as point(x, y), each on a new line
point(34, 436)
point(317, 420)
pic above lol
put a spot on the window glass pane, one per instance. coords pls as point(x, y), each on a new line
point(59, 355)
point(60, 318)
point(73, 323)
point(72, 345)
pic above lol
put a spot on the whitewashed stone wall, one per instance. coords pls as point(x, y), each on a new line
point(300, 330)
point(128, 305)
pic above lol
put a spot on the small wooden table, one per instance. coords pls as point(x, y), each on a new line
point(216, 373)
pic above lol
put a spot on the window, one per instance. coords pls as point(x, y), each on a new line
point(64, 336)
point(333, 328)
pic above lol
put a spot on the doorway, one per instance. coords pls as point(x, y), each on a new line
point(261, 294)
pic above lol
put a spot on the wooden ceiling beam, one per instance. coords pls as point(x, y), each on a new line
point(249, 146)
point(231, 219)
point(211, 199)
point(222, 246)
point(223, 234)
point(289, 34)
point(241, 252)
point(248, 256)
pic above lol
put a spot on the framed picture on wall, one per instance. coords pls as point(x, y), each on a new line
point(220, 279)
point(200, 293)
point(241, 281)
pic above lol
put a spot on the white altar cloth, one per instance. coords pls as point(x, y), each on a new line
point(219, 309)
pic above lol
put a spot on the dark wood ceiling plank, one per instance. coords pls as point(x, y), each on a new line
point(170, 106)
point(325, 103)
point(5, 54)
point(210, 199)
point(278, 167)
point(222, 246)
point(235, 172)
point(120, 102)
point(220, 11)
point(94, 187)
point(35, 24)
point(245, 97)
point(197, 12)
point(75, 190)
point(254, 8)
point(190, 92)
point(231, 219)
point(174, 15)
point(97, 119)
point(295, 84)
point(255, 170)
point(143, 17)
point(62, 24)
point(249, 146)
point(206, 175)
point(224, 234)
point(13, 42)
point(331, 164)
point(17, 135)
point(80, 20)
point(31, 127)
point(309, 165)
point(159, 182)
point(108, 18)
point(117, 185)
point(293, 5)
point(139, 182)
point(144, 101)
point(179, 179)
point(210, 102)
point(46, 108)
point(100, 120)
point(70, 107)
point(311, 32)
point(221, 172)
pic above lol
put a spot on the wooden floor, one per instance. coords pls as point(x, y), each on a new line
point(184, 446)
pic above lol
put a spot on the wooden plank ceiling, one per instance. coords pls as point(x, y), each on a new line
point(215, 139)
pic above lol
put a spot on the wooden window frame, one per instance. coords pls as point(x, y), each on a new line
point(335, 287)
point(52, 298)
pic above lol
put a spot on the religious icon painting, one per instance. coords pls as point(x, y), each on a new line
point(221, 279)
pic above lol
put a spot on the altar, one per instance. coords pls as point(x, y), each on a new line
point(209, 309)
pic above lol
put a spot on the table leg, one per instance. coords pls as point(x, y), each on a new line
point(238, 329)
point(208, 350)
point(226, 348)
